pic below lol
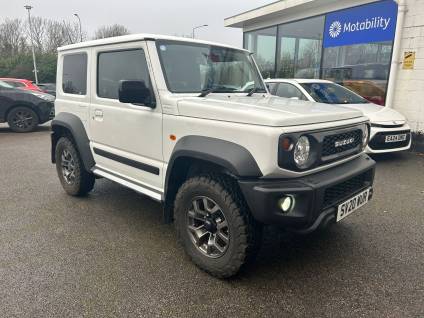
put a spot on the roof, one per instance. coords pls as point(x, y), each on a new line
point(297, 80)
point(14, 79)
point(288, 10)
point(138, 37)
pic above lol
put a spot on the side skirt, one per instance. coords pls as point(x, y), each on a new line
point(154, 194)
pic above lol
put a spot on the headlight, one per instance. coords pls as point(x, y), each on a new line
point(365, 137)
point(301, 151)
point(46, 97)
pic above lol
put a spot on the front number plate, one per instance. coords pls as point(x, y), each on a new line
point(352, 204)
point(395, 138)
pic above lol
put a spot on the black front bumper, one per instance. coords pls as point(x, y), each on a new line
point(45, 111)
point(316, 196)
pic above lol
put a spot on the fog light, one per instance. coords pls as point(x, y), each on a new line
point(286, 204)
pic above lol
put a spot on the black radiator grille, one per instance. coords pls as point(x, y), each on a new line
point(333, 144)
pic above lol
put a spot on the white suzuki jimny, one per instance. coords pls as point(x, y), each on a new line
point(191, 124)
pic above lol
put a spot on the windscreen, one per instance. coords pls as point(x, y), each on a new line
point(192, 68)
point(330, 93)
point(4, 84)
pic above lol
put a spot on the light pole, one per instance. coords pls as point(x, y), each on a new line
point(198, 27)
point(32, 43)
point(80, 29)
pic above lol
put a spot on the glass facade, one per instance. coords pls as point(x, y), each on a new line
point(295, 50)
point(263, 43)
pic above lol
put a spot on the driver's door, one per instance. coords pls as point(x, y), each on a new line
point(126, 139)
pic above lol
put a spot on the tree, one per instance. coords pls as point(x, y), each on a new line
point(12, 37)
point(110, 31)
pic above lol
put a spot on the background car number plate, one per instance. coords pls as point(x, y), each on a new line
point(352, 204)
point(395, 138)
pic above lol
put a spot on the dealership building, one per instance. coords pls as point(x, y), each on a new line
point(375, 48)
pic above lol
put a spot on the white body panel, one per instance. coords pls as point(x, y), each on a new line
point(141, 133)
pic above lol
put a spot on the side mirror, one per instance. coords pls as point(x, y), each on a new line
point(135, 92)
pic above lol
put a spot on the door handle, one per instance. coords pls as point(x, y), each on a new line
point(98, 113)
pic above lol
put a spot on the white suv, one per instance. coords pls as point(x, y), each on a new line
point(192, 125)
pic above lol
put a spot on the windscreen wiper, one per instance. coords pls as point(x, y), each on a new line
point(206, 92)
point(255, 90)
point(222, 89)
point(252, 91)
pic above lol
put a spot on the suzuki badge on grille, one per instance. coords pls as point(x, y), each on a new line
point(344, 142)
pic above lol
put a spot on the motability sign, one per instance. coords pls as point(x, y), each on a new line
point(374, 22)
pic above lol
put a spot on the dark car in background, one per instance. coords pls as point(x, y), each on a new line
point(23, 110)
point(49, 88)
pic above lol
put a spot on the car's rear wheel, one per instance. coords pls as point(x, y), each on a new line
point(215, 225)
point(22, 119)
point(75, 180)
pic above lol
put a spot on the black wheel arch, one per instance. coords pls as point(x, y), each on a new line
point(67, 124)
point(195, 154)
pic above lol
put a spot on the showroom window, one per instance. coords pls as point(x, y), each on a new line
point(363, 68)
point(357, 58)
point(263, 44)
point(299, 48)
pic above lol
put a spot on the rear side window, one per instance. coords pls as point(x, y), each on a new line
point(115, 66)
point(74, 79)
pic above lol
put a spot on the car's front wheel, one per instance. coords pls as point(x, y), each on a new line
point(215, 226)
point(22, 119)
point(75, 180)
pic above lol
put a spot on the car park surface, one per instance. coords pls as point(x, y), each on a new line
point(110, 254)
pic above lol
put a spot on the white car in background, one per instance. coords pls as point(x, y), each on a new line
point(389, 129)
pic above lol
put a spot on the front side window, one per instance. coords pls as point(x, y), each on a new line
point(74, 75)
point(289, 91)
point(192, 68)
point(115, 66)
point(332, 94)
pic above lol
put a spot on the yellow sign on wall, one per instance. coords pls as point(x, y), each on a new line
point(408, 60)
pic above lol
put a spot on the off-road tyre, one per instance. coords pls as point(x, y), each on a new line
point(82, 182)
point(245, 234)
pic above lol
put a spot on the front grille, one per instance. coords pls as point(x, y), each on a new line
point(330, 148)
point(346, 189)
point(378, 142)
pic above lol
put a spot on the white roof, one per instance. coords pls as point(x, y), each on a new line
point(296, 80)
point(138, 37)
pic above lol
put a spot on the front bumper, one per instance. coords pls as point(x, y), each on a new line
point(316, 196)
point(377, 142)
point(46, 111)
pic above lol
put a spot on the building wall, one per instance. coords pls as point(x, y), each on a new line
point(409, 92)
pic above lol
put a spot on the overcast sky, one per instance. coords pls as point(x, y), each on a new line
point(172, 17)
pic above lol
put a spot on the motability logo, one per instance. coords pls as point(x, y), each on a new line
point(336, 28)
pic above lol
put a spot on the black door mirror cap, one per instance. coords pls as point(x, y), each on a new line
point(136, 92)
